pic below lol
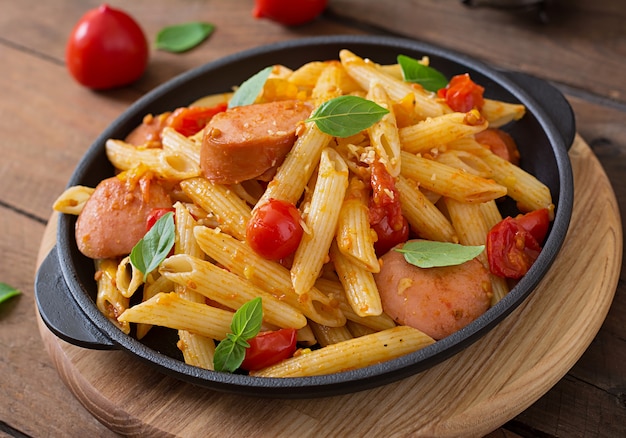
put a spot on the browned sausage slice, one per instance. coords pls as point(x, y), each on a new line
point(114, 217)
point(246, 141)
point(438, 301)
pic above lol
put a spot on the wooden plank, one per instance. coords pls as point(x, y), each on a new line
point(582, 36)
point(34, 400)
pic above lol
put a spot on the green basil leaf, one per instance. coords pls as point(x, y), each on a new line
point(249, 90)
point(428, 77)
point(347, 115)
point(247, 319)
point(7, 292)
point(246, 324)
point(182, 37)
point(228, 355)
point(429, 254)
point(154, 247)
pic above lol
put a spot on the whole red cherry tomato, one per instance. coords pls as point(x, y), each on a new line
point(106, 49)
point(268, 348)
point(289, 12)
point(274, 232)
point(385, 212)
point(512, 247)
point(462, 94)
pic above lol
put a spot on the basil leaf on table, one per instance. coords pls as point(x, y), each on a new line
point(182, 37)
point(248, 91)
point(347, 115)
point(429, 254)
point(246, 324)
point(7, 292)
point(428, 77)
point(154, 247)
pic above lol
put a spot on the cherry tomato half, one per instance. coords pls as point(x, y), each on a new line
point(191, 120)
point(511, 249)
point(268, 348)
point(462, 94)
point(385, 213)
point(274, 232)
point(155, 215)
point(106, 49)
point(289, 12)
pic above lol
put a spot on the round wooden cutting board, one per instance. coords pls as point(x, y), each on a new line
point(470, 394)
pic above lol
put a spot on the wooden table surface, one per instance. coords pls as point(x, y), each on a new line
point(47, 122)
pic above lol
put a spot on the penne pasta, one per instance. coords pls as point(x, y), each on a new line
point(321, 221)
point(383, 135)
point(351, 354)
point(109, 299)
point(72, 200)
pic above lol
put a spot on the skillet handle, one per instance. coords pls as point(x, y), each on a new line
point(552, 100)
point(60, 312)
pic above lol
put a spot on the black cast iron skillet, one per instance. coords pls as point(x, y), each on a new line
point(65, 288)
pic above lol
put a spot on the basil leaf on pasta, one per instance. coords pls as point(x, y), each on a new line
point(248, 91)
point(347, 115)
point(428, 77)
point(154, 247)
point(429, 254)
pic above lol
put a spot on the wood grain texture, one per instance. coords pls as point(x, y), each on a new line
point(471, 394)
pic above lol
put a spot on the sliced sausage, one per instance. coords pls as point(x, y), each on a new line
point(114, 217)
point(149, 132)
point(246, 142)
point(438, 301)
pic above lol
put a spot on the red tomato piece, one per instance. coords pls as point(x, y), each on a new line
point(190, 121)
point(274, 232)
point(106, 49)
point(155, 215)
point(289, 12)
point(385, 213)
point(536, 223)
point(462, 94)
point(268, 348)
point(511, 249)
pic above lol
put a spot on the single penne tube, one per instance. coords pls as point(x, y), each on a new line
point(231, 212)
point(491, 213)
point(449, 181)
point(128, 278)
point(307, 74)
point(268, 275)
point(384, 137)
point(329, 335)
point(72, 200)
point(423, 216)
point(175, 143)
point(499, 113)
point(465, 161)
point(434, 132)
point(359, 285)
point(351, 354)
point(365, 73)
point(125, 156)
point(335, 291)
point(321, 221)
point(358, 329)
point(155, 283)
point(170, 310)
point(228, 289)
point(185, 242)
point(529, 193)
point(354, 236)
point(197, 350)
point(109, 299)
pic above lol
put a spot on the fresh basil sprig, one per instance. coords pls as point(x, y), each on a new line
point(346, 115)
point(182, 37)
point(428, 77)
point(246, 323)
point(7, 292)
point(429, 254)
point(152, 249)
point(248, 91)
